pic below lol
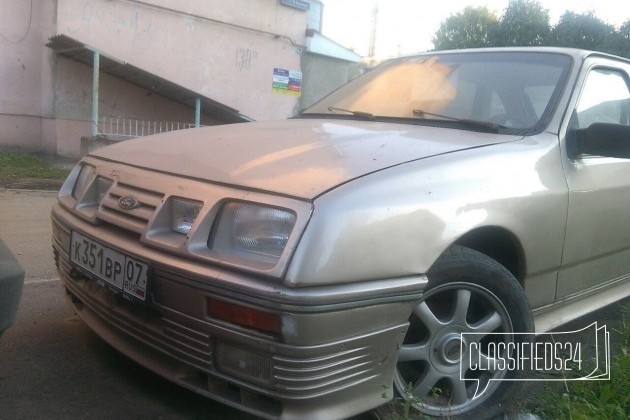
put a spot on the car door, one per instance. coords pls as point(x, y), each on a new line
point(597, 242)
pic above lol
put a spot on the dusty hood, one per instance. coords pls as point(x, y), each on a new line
point(299, 158)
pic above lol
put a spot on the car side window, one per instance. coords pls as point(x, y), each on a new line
point(605, 99)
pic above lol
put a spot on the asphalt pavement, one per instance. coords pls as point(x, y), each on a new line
point(51, 364)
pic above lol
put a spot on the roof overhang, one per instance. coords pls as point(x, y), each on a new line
point(75, 50)
point(317, 43)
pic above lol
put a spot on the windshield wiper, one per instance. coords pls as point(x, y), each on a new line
point(360, 114)
point(484, 125)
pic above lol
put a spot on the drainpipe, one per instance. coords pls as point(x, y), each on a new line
point(197, 112)
point(95, 82)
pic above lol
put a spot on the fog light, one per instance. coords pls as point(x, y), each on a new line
point(183, 215)
point(94, 193)
point(244, 364)
point(85, 178)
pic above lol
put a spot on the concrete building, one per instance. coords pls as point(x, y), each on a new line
point(78, 68)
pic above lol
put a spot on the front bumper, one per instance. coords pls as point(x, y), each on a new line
point(334, 358)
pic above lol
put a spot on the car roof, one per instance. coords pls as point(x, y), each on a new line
point(575, 53)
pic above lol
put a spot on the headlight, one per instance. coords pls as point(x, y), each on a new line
point(183, 215)
point(252, 232)
point(85, 178)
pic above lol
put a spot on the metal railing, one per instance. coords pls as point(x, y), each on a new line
point(131, 127)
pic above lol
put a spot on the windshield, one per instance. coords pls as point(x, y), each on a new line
point(512, 90)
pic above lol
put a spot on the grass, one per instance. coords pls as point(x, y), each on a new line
point(577, 400)
point(23, 169)
point(570, 400)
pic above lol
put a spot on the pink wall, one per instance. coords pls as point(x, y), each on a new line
point(21, 130)
point(117, 98)
point(224, 50)
point(25, 71)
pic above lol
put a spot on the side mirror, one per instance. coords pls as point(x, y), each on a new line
point(603, 139)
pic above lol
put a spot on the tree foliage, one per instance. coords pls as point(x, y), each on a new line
point(471, 28)
point(624, 39)
point(582, 31)
point(526, 23)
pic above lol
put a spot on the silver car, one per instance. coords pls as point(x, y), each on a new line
point(316, 267)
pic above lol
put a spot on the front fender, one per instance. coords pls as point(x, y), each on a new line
point(398, 221)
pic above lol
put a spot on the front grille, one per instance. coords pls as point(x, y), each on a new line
point(196, 342)
point(163, 329)
point(146, 325)
point(135, 219)
point(301, 376)
point(297, 372)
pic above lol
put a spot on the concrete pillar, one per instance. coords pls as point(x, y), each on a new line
point(95, 82)
point(197, 112)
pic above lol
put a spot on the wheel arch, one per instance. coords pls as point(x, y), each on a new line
point(499, 244)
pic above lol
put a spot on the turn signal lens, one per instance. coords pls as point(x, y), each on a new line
point(244, 316)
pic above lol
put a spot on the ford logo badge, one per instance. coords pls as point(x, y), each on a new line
point(128, 202)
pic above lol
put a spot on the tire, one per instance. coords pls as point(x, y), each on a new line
point(467, 292)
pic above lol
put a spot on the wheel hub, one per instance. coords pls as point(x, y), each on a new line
point(446, 349)
point(450, 348)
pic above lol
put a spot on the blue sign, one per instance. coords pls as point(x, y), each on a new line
point(296, 4)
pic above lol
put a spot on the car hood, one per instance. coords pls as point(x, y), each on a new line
point(300, 158)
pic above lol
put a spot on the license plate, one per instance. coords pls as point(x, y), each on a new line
point(112, 267)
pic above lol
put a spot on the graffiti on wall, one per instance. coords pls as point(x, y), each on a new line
point(115, 22)
point(245, 58)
